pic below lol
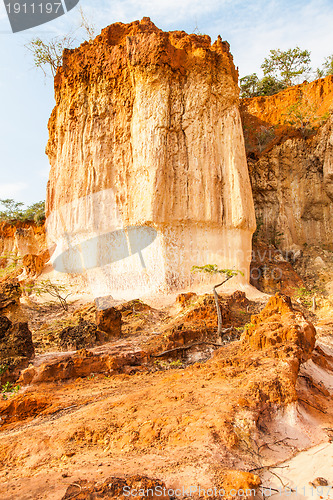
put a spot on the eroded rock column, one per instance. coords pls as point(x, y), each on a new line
point(148, 168)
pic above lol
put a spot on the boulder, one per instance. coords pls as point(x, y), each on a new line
point(109, 320)
point(281, 326)
point(10, 293)
point(16, 348)
point(85, 334)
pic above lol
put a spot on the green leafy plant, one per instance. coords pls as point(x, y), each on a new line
point(9, 388)
point(252, 86)
point(48, 53)
point(13, 211)
point(3, 369)
point(263, 136)
point(275, 237)
point(305, 296)
point(229, 273)
point(168, 365)
point(287, 66)
point(176, 364)
point(259, 224)
point(303, 116)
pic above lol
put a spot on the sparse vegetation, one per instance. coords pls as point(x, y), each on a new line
point(47, 54)
point(264, 136)
point(9, 388)
point(252, 86)
point(3, 369)
point(303, 116)
point(13, 211)
point(56, 290)
point(12, 266)
point(281, 70)
point(168, 365)
point(275, 237)
point(259, 224)
point(229, 273)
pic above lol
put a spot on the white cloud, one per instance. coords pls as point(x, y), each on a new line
point(11, 190)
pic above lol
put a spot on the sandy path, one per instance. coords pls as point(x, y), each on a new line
point(299, 472)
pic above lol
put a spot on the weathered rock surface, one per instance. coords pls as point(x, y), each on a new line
point(10, 293)
point(272, 270)
point(291, 165)
point(16, 348)
point(109, 320)
point(85, 334)
point(19, 239)
point(283, 327)
point(149, 123)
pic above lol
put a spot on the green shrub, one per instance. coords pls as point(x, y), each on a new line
point(14, 211)
point(8, 387)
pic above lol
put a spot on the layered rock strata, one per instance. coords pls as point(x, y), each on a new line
point(148, 168)
point(289, 139)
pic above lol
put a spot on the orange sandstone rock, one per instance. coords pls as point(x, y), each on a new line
point(290, 164)
point(283, 327)
point(146, 135)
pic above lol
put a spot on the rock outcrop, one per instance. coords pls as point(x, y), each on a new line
point(148, 170)
point(289, 140)
point(109, 321)
point(19, 239)
point(23, 249)
point(16, 348)
point(10, 293)
point(280, 326)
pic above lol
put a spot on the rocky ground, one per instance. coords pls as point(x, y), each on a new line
point(145, 395)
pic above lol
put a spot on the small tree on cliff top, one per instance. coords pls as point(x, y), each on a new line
point(326, 69)
point(287, 66)
point(281, 70)
point(228, 273)
point(47, 54)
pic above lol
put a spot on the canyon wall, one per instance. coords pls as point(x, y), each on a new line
point(148, 168)
point(19, 239)
point(289, 142)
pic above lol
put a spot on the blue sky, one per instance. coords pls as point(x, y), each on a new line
point(26, 98)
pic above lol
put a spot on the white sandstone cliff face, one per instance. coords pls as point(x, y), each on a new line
point(148, 168)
